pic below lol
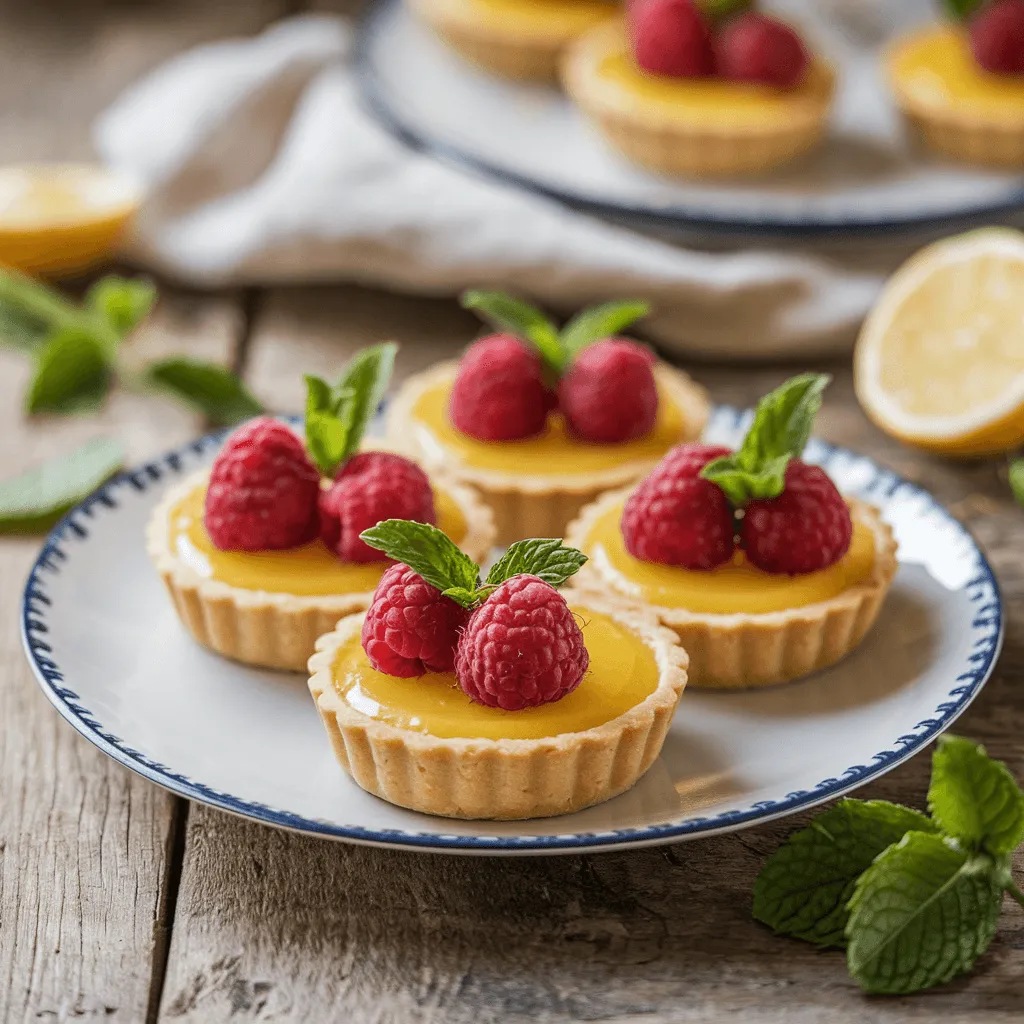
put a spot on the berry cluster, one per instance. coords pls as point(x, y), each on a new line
point(706, 38)
point(701, 501)
point(997, 37)
point(508, 383)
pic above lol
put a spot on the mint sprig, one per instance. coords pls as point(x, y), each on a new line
point(210, 389)
point(963, 9)
point(432, 554)
point(722, 10)
point(780, 432)
point(1017, 480)
point(337, 415)
point(915, 899)
point(556, 347)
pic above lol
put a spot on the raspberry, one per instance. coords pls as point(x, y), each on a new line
point(997, 37)
point(806, 528)
point(522, 647)
point(755, 48)
point(410, 627)
point(372, 487)
point(671, 37)
point(499, 393)
point(609, 393)
point(263, 490)
point(675, 517)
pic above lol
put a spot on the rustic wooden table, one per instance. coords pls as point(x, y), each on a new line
point(120, 902)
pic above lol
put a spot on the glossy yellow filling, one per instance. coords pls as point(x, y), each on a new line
point(937, 69)
point(307, 571)
point(553, 453)
point(734, 587)
point(623, 672)
point(568, 16)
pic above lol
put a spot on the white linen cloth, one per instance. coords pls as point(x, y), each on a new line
point(260, 166)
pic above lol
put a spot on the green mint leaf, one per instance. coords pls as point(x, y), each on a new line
point(600, 322)
point(963, 9)
point(429, 552)
point(211, 389)
point(72, 373)
point(804, 887)
point(546, 557)
point(19, 329)
point(35, 500)
point(123, 303)
point(720, 10)
point(526, 322)
point(1017, 480)
point(325, 432)
point(22, 297)
point(765, 480)
point(975, 798)
point(921, 914)
point(361, 389)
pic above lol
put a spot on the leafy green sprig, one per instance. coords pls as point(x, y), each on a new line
point(963, 9)
point(913, 899)
point(432, 554)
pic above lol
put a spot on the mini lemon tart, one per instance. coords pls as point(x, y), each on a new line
point(422, 743)
point(952, 104)
point(693, 126)
point(518, 39)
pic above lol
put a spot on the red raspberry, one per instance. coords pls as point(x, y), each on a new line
point(263, 490)
point(806, 528)
point(372, 487)
point(997, 37)
point(676, 517)
point(671, 37)
point(411, 627)
point(756, 48)
point(499, 393)
point(522, 647)
point(609, 393)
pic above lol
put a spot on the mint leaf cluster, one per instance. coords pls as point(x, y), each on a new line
point(557, 347)
point(780, 432)
point(432, 554)
point(914, 899)
point(337, 415)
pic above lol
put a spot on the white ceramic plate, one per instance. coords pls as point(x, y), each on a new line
point(113, 659)
point(865, 179)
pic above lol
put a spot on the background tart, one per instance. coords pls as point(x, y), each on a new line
point(692, 126)
point(503, 778)
point(538, 503)
point(276, 628)
point(746, 649)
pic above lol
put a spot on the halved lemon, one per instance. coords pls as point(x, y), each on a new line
point(940, 360)
point(60, 219)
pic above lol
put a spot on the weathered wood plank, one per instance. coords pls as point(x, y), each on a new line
point(272, 926)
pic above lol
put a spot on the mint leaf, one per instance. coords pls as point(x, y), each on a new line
point(546, 557)
point(123, 303)
point(325, 432)
point(975, 798)
point(1017, 480)
point(72, 373)
point(921, 914)
point(19, 329)
point(742, 484)
point(526, 322)
point(721, 10)
point(211, 389)
point(805, 885)
point(429, 552)
point(35, 500)
point(599, 322)
point(963, 9)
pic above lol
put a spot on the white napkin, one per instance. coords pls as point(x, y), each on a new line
point(260, 166)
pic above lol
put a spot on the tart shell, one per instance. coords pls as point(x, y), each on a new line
point(501, 779)
point(263, 628)
point(744, 650)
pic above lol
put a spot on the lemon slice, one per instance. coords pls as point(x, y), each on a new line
point(940, 361)
point(59, 219)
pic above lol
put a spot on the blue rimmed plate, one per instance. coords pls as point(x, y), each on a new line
point(109, 653)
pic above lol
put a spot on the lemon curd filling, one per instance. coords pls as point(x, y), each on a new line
point(623, 672)
point(937, 69)
point(307, 571)
point(734, 587)
point(569, 15)
point(553, 453)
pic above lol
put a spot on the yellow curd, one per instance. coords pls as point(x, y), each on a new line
point(732, 588)
point(553, 453)
point(307, 571)
point(623, 672)
point(571, 16)
point(936, 69)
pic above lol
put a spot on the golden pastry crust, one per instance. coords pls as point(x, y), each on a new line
point(266, 629)
point(535, 505)
point(745, 650)
point(502, 779)
point(668, 141)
